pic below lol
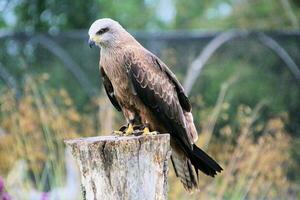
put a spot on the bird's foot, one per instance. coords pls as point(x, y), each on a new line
point(138, 127)
point(136, 130)
point(121, 130)
point(129, 130)
point(125, 130)
point(146, 131)
point(119, 133)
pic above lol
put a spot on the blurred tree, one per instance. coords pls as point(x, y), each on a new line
point(133, 14)
point(52, 15)
point(266, 14)
point(56, 15)
point(250, 14)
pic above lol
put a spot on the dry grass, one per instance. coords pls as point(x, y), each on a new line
point(254, 168)
point(34, 129)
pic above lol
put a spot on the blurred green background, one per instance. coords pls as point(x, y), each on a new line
point(238, 59)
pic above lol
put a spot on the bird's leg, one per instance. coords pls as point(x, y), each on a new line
point(130, 116)
point(138, 127)
point(129, 130)
point(147, 131)
point(125, 130)
point(120, 133)
point(121, 130)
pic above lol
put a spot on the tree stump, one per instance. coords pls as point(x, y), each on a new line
point(132, 167)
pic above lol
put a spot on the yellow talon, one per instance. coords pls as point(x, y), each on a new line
point(118, 132)
point(129, 130)
point(146, 131)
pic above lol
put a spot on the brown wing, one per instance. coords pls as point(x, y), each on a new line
point(158, 89)
point(183, 99)
point(109, 90)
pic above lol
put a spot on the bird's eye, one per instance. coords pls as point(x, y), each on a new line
point(101, 31)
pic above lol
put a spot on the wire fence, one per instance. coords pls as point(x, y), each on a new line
point(194, 48)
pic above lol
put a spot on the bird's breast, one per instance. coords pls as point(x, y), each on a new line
point(115, 69)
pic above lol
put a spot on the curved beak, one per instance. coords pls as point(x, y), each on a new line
point(91, 43)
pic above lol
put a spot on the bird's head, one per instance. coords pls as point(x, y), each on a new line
point(105, 33)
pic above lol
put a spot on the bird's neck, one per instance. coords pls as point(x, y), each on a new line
point(119, 47)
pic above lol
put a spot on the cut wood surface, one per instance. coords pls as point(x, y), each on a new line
point(131, 167)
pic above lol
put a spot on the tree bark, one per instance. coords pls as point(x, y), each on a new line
point(113, 168)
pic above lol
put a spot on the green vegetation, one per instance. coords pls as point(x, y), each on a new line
point(245, 101)
point(55, 15)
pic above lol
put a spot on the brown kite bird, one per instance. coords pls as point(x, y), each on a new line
point(141, 86)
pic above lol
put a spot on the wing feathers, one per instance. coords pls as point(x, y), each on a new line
point(183, 99)
point(158, 92)
point(109, 90)
point(161, 92)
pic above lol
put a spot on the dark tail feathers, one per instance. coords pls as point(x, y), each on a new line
point(203, 162)
point(184, 170)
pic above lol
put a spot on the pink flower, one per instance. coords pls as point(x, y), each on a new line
point(5, 196)
point(44, 196)
point(1, 185)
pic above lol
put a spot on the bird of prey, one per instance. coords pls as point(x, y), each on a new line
point(145, 90)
